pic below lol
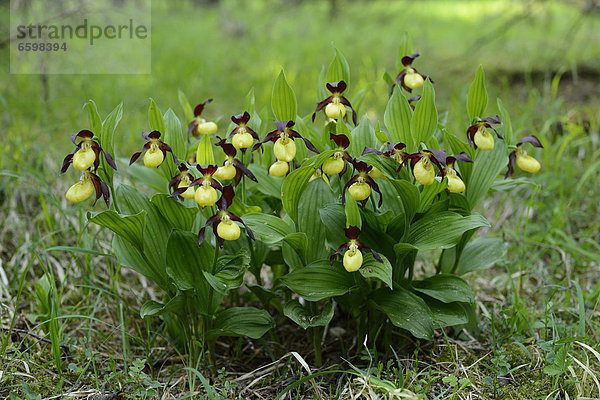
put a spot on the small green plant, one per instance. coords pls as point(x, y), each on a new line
point(308, 191)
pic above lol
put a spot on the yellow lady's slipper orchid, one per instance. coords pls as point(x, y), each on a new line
point(424, 172)
point(334, 164)
point(225, 172)
point(242, 140)
point(412, 79)
point(199, 126)
point(190, 192)
point(242, 136)
point(84, 158)
point(483, 139)
point(284, 149)
point(82, 190)
point(86, 154)
point(227, 229)
point(422, 165)
point(360, 191)
point(455, 184)
point(319, 174)
point(333, 110)
point(360, 185)
point(153, 157)
point(206, 195)
point(336, 103)
point(524, 161)
point(527, 163)
point(409, 78)
point(479, 134)
point(279, 168)
point(88, 183)
point(223, 222)
point(154, 151)
point(206, 127)
point(353, 257)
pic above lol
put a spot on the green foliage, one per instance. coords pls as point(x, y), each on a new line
point(296, 223)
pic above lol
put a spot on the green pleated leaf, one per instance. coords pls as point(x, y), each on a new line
point(385, 164)
point(188, 111)
point(204, 152)
point(81, 250)
point(371, 268)
point(406, 310)
point(404, 49)
point(230, 271)
point(363, 136)
point(319, 281)
point(154, 308)
point(155, 117)
point(486, 168)
point(316, 196)
point(480, 254)
point(267, 185)
point(186, 261)
point(107, 139)
point(242, 321)
point(157, 229)
point(429, 193)
point(302, 315)
point(131, 257)
point(442, 230)
point(283, 100)
point(298, 241)
point(292, 189)
point(267, 228)
point(458, 146)
point(241, 209)
point(477, 98)
point(397, 118)
point(506, 129)
point(174, 137)
point(447, 314)
point(130, 227)
point(339, 69)
point(446, 288)
point(352, 213)
point(410, 197)
point(178, 215)
point(359, 97)
point(424, 120)
point(93, 117)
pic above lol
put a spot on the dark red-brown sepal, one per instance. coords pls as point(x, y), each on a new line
point(294, 134)
point(101, 189)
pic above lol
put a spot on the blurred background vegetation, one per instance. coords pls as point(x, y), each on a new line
point(222, 49)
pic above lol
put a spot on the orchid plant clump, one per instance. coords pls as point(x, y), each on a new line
point(407, 191)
